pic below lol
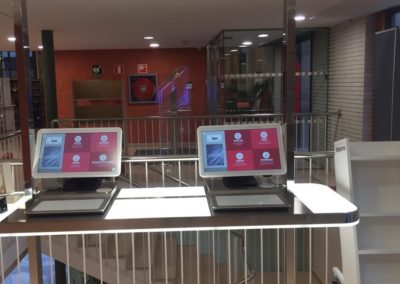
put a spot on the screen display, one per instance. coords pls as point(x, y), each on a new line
point(79, 152)
point(241, 150)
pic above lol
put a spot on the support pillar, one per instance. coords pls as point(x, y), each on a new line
point(49, 76)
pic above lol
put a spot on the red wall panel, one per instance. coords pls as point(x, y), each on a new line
point(77, 65)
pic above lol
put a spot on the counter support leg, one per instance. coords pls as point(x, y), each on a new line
point(35, 260)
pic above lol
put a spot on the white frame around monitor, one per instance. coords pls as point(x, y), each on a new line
point(282, 151)
point(36, 158)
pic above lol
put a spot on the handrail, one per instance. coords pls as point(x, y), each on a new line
point(4, 137)
point(55, 122)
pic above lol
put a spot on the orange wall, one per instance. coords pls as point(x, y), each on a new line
point(77, 65)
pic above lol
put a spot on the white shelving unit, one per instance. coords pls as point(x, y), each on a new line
point(368, 174)
point(7, 123)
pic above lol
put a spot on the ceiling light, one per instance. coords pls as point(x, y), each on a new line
point(283, 34)
point(234, 50)
point(40, 46)
point(313, 17)
point(299, 18)
point(148, 37)
point(227, 54)
point(242, 45)
point(11, 38)
point(154, 44)
point(26, 46)
point(247, 43)
point(263, 35)
point(259, 60)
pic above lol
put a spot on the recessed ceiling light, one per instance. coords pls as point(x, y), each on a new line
point(259, 60)
point(283, 34)
point(234, 50)
point(148, 37)
point(242, 45)
point(299, 18)
point(40, 46)
point(227, 54)
point(154, 44)
point(247, 43)
point(26, 46)
point(11, 38)
point(263, 35)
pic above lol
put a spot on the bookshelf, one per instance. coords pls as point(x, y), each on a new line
point(7, 123)
point(38, 103)
point(368, 173)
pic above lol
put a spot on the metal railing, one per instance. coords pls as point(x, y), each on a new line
point(159, 135)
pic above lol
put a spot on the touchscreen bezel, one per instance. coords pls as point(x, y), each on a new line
point(209, 173)
point(116, 172)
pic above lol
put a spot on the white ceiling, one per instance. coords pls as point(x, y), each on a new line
point(121, 24)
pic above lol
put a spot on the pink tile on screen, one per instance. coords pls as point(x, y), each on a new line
point(237, 139)
point(264, 138)
point(267, 159)
point(103, 141)
point(75, 162)
point(77, 142)
point(102, 161)
point(240, 160)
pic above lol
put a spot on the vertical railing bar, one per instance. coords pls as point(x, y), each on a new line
point(138, 132)
point(152, 136)
point(149, 254)
point(117, 256)
point(229, 256)
point(195, 173)
point(68, 268)
point(278, 260)
point(2, 260)
point(245, 255)
point(51, 262)
point(163, 173)
point(18, 260)
point(213, 254)
point(318, 135)
point(181, 135)
point(262, 255)
point(198, 255)
point(101, 258)
point(146, 173)
point(159, 134)
point(327, 170)
point(133, 258)
point(311, 131)
point(165, 257)
point(310, 169)
point(130, 173)
point(181, 252)
point(189, 141)
point(145, 137)
point(179, 173)
point(326, 253)
point(84, 258)
point(310, 255)
point(130, 134)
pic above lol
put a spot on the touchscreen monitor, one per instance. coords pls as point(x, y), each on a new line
point(241, 150)
point(77, 152)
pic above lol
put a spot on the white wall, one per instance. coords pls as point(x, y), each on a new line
point(349, 86)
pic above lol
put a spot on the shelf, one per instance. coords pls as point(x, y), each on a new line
point(379, 214)
point(376, 158)
point(379, 251)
